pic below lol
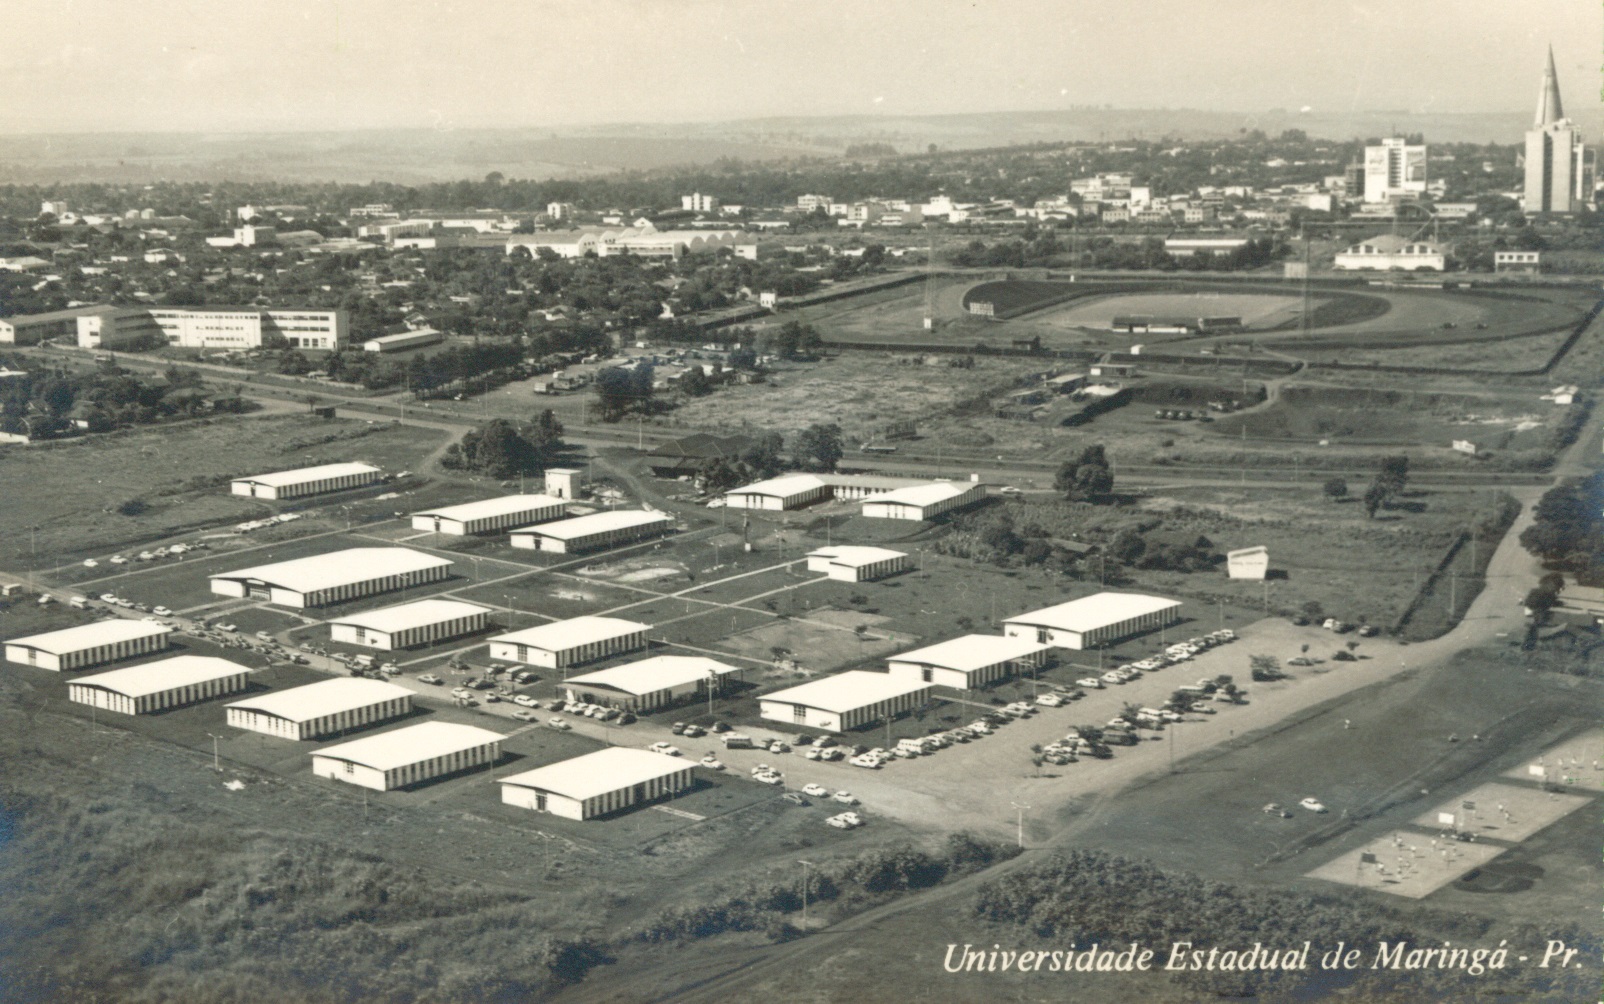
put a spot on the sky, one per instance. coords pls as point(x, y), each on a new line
point(269, 65)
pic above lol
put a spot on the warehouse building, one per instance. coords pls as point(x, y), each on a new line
point(857, 564)
point(407, 625)
point(88, 644)
point(490, 515)
point(844, 701)
point(321, 709)
point(570, 642)
point(307, 481)
point(792, 491)
point(156, 686)
point(970, 661)
point(925, 501)
point(650, 683)
point(408, 755)
point(403, 341)
point(323, 579)
point(593, 532)
point(598, 783)
point(1094, 620)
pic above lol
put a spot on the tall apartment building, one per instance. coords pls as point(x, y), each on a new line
point(1395, 169)
point(1556, 159)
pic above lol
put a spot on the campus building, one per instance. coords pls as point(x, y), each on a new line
point(407, 625)
point(598, 783)
point(408, 755)
point(1094, 620)
point(593, 532)
point(31, 329)
point(857, 564)
point(321, 709)
point(322, 579)
point(844, 701)
point(650, 683)
point(214, 327)
point(157, 686)
point(570, 642)
point(306, 481)
point(490, 515)
point(1390, 252)
point(404, 341)
point(793, 491)
point(970, 661)
point(88, 644)
point(1395, 169)
point(925, 501)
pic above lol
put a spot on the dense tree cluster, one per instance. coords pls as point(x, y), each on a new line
point(1567, 530)
point(503, 449)
point(42, 403)
point(1087, 478)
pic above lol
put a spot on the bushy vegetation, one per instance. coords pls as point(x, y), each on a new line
point(45, 403)
point(502, 449)
point(1567, 530)
point(1092, 896)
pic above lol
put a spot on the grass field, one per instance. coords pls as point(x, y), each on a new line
point(1257, 310)
point(1496, 421)
point(181, 473)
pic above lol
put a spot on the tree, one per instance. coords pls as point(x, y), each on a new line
point(820, 447)
point(1374, 497)
point(764, 459)
point(545, 435)
point(1313, 610)
point(695, 383)
point(1087, 478)
point(1265, 668)
point(1335, 488)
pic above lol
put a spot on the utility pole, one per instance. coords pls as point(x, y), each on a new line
point(1020, 820)
point(805, 881)
point(216, 765)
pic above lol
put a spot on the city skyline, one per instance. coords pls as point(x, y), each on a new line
point(303, 65)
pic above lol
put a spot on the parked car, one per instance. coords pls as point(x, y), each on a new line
point(526, 701)
point(769, 777)
point(693, 731)
point(1313, 805)
point(430, 678)
point(1368, 630)
point(678, 728)
point(1090, 683)
point(721, 727)
point(558, 723)
point(711, 762)
point(91, 563)
point(666, 749)
point(795, 798)
point(844, 797)
point(845, 821)
point(524, 715)
point(1275, 810)
point(816, 790)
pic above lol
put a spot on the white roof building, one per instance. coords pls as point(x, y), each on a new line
point(306, 481)
point(920, 502)
point(1248, 563)
point(1094, 620)
point(648, 683)
point(844, 701)
point(570, 642)
point(88, 644)
point(786, 492)
point(597, 783)
point(152, 686)
point(408, 755)
point(322, 579)
point(850, 563)
point(587, 533)
point(321, 708)
point(407, 624)
point(488, 515)
point(969, 661)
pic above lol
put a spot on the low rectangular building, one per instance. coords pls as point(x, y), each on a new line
point(88, 644)
point(844, 701)
point(156, 686)
point(323, 579)
point(969, 661)
point(406, 625)
point(321, 709)
point(402, 341)
point(789, 492)
point(857, 564)
point(570, 642)
point(650, 683)
point(1094, 620)
point(598, 783)
point(408, 755)
point(593, 532)
point(1248, 563)
point(490, 515)
point(925, 501)
point(306, 481)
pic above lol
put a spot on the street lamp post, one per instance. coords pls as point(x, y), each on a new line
point(1019, 811)
point(805, 882)
point(216, 765)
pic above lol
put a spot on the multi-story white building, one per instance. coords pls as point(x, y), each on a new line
point(1556, 158)
point(214, 327)
point(1395, 169)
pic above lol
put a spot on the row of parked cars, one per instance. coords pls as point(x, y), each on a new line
point(156, 554)
point(264, 523)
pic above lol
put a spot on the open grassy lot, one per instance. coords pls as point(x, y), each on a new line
point(69, 489)
point(1498, 421)
point(862, 394)
point(1517, 354)
point(1257, 310)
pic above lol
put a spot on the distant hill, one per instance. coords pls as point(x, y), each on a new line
point(409, 156)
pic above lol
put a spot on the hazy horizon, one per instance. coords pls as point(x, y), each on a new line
point(164, 66)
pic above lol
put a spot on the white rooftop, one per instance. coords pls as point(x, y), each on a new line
point(781, 487)
point(501, 506)
point(598, 773)
point(1092, 612)
point(399, 747)
point(854, 556)
point(84, 636)
point(970, 652)
point(846, 691)
point(1247, 552)
point(922, 495)
point(601, 522)
point(279, 479)
point(338, 568)
point(326, 697)
point(155, 677)
point(410, 615)
point(657, 673)
point(572, 633)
